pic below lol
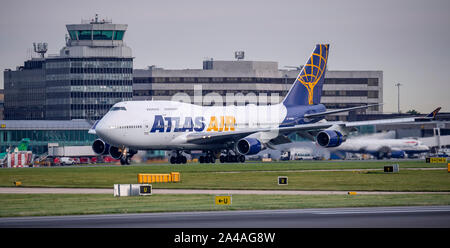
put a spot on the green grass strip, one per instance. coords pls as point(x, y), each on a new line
point(68, 204)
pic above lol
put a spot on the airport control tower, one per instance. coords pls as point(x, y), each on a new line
point(92, 72)
point(96, 38)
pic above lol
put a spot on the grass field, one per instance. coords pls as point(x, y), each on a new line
point(316, 175)
point(68, 204)
point(302, 176)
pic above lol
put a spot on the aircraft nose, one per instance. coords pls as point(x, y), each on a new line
point(100, 128)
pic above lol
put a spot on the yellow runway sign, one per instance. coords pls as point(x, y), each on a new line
point(223, 199)
point(436, 160)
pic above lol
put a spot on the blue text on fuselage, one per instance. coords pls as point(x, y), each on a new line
point(173, 124)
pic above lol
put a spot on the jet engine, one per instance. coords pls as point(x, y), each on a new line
point(249, 146)
point(330, 138)
point(100, 147)
point(115, 152)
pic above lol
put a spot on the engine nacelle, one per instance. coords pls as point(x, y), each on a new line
point(100, 147)
point(249, 146)
point(115, 152)
point(330, 138)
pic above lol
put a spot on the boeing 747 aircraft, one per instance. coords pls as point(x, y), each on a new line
point(227, 132)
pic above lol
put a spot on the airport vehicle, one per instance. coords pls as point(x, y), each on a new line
point(303, 155)
point(67, 161)
point(227, 132)
point(297, 154)
point(382, 148)
point(285, 155)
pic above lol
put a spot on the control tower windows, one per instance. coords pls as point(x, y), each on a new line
point(103, 34)
point(118, 35)
point(84, 34)
point(73, 34)
point(96, 34)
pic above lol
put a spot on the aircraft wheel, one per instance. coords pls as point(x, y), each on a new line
point(183, 159)
point(173, 160)
point(179, 159)
point(222, 159)
point(234, 158)
point(207, 159)
point(201, 159)
point(241, 158)
point(125, 160)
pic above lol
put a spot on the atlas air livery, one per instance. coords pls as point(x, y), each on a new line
point(228, 132)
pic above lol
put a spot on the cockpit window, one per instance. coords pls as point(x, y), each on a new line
point(118, 108)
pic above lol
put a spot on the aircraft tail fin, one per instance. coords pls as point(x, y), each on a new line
point(307, 88)
point(429, 117)
point(433, 114)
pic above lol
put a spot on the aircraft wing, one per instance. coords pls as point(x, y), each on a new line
point(322, 114)
point(213, 137)
point(431, 116)
point(377, 122)
point(210, 137)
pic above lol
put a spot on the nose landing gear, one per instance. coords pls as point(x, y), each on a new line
point(125, 160)
point(126, 156)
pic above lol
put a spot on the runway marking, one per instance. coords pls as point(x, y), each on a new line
point(383, 210)
point(177, 215)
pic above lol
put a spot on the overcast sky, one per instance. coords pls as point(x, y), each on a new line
point(408, 40)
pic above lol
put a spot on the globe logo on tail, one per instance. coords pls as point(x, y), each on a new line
point(312, 72)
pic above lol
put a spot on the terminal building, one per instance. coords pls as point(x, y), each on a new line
point(91, 73)
point(257, 82)
point(43, 132)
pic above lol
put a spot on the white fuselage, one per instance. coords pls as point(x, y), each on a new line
point(166, 124)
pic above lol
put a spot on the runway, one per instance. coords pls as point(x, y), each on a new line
point(22, 190)
point(373, 217)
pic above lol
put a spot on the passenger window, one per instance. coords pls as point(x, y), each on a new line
point(118, 108)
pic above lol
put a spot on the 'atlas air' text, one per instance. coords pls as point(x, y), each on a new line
point(191, 124)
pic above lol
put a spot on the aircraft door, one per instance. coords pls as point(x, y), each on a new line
point(146, 127)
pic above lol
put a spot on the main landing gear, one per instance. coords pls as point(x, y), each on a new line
point(209, 158)
point(177, 158)
point(232, 159)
